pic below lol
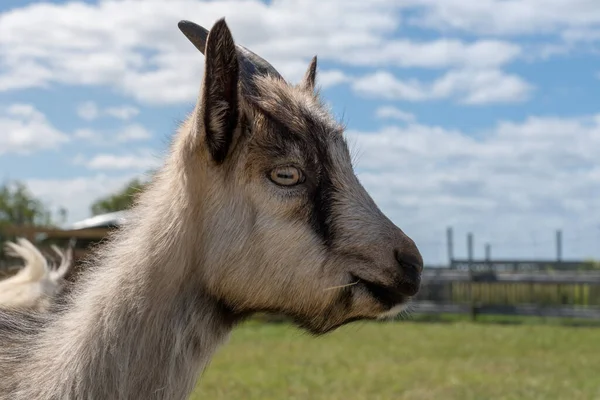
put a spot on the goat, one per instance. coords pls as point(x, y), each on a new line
point(256, 209)
point(36, 284)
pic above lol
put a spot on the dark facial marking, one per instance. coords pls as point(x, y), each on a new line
point(322, 202)
point(321, 217)
point(313, 140)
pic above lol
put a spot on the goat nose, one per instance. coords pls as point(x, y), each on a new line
point(410, 259)
point(411, 266)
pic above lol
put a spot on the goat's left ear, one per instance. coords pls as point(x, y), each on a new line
point(310, 76)
point(220, 109)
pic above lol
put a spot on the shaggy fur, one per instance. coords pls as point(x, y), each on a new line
point(256, 208)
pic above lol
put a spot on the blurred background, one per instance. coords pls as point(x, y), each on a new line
point(475, 126)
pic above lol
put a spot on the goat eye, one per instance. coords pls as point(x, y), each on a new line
point(286, 176)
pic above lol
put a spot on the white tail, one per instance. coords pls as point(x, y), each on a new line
point(36, 283)
point(36, 266)
point(66, 261)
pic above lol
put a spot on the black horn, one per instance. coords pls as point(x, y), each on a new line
point(250, 63)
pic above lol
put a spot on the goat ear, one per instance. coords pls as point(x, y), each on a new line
point(220, 108)
point(310, 75)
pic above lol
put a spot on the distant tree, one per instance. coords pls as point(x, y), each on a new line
point(591, 264)
point(19, 207)
point(119, 201)
point(63, 214)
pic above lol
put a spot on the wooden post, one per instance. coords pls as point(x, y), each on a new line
point(471, 280)
point(470, 249)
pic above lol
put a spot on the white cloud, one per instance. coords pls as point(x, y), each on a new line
point(25, 130)
point(128, 133)
point(468, 86)
point(505, 184)
point(78, 193)
point(581, 34)
point(144, 160)
point(394, 113)
point(147, 58)
point(132, 132)
point(482, 86)
point(122, 112)
point(441, 53)
point(89, 111)
point(330, 78)
point(86, 133)
point(503, 17)
point(383, 84)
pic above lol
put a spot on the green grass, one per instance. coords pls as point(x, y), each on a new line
point(449, 359)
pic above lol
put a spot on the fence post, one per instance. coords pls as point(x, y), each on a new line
point(450, 244)
point(471, 280)
point(558, 245)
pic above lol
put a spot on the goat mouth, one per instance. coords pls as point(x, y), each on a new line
point(387, 296)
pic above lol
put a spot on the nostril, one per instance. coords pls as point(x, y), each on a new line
point(409, 261)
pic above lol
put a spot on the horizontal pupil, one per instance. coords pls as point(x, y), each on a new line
point(286, 176)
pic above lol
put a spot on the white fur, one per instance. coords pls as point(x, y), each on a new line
point(36, 282)
point(394, 311)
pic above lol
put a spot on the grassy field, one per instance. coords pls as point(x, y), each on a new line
point(407, 360)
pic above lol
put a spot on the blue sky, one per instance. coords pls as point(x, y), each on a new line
point(483, 115)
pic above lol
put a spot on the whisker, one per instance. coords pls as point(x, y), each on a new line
point(341, 286)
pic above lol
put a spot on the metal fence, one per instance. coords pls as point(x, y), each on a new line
point(557, 293)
